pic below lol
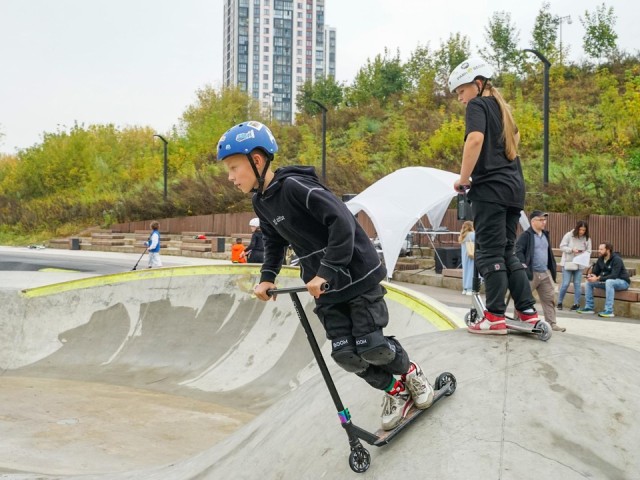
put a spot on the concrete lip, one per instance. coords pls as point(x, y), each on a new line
point(179, 374)
point(111, 374)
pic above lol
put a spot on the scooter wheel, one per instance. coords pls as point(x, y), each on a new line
point(442, 381)
point(360, 460)
point(471, 317)
point(545, 330)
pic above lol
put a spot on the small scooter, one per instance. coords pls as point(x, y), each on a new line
point(542, 329)
point(359, 458)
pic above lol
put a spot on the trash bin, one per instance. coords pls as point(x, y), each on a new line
point(75, 244)
point(219, 244)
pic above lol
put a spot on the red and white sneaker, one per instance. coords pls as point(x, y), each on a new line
point(491, 324)
point(416, 382)
point(531, 318)
point(395, 406)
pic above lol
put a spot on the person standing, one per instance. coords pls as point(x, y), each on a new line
point(534, 250)
point(153, 246)
point(467, 252)
point(608, 273)
point(573, 243)
point(255, 250)
point(296, 209)
point(492, 172)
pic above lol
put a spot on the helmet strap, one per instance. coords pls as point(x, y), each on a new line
point(259, 176)
point(481, 90)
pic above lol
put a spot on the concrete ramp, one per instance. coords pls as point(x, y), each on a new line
point(123, 373)
point(179, 374)
point(523, 410)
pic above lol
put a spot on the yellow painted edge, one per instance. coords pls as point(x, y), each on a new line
point(152, 273)
point(430, 309)
point(433, 311)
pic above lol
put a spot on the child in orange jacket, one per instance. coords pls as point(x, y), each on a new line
point(237, 249)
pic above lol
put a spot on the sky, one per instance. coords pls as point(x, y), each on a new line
point(140, 62)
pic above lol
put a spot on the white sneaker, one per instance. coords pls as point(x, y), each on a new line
point(395, 408)
point(416, 382)
point(464, 292)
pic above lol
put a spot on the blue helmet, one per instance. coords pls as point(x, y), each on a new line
point(246, 137)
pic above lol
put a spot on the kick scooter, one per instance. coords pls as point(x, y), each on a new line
point(542, 329)
point(359, 458)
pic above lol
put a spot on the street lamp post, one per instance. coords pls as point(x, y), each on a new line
point(547, 64)
point(561, 20)
point(165, 164)
point(324, 140)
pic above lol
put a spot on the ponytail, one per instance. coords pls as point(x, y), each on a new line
point(508, 124)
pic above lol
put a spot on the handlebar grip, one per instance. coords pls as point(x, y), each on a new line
point(274, 291)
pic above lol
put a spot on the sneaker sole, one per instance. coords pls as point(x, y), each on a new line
point(427, 404)
point(488, 332)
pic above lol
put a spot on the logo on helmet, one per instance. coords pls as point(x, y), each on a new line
point(241, 137)
point(464, 65)
point(254, 124)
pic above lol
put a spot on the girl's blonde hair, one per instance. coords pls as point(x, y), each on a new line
point(464, 231)
point(508, 124)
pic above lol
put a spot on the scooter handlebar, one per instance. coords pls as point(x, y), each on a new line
point(275, 291)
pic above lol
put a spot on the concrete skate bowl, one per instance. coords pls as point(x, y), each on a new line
point(143, 374)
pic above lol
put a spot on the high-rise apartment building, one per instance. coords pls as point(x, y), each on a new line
point(272, 47)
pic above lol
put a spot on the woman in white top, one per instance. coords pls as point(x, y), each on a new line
point(573, 243)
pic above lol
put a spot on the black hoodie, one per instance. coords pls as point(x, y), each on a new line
point(297, 210)
point(611, 269)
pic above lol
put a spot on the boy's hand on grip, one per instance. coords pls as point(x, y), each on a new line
point(262, 291)
point(316, 286)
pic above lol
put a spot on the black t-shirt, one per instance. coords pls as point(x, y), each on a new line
point(495, 178)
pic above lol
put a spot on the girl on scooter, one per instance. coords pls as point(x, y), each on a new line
point(492, 172)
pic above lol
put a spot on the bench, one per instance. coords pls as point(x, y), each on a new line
point(194, 247)
point(62, 243)
point(452, 272)
point(195, 234)
point(630, 295)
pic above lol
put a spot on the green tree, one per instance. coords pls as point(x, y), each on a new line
point(502, 39)
point(420, 62)
point(600, 38)
point(450, 54)
point(545, 31)
point(381, 79)
point(325, 90)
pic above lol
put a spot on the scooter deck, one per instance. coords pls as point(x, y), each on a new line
point(385, 436)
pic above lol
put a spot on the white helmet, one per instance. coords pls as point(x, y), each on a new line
point(468, 71)
point(254, 222)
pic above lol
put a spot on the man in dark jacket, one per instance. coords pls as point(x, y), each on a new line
point(609, 274)
point(534, 251)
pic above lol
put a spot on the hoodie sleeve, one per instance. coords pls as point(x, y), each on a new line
point(274, 251)
point(565, 243)
point(331, 212)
